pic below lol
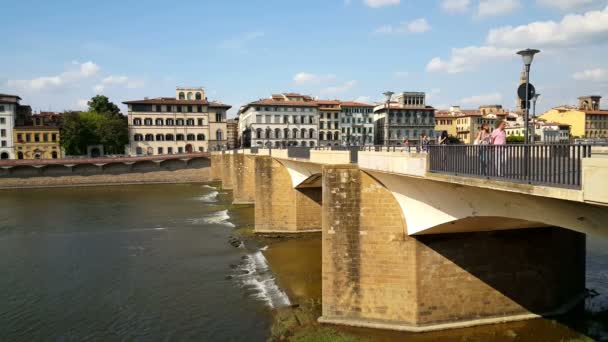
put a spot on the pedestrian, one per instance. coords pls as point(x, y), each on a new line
point(407, 144)
point(443, 139)
point(499, 140)
point(483, 139)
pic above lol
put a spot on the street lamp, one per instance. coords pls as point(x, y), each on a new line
point(527, 56)
point(387, 125)
point(534, 99)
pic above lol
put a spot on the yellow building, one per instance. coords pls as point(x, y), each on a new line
point(37, 141)
point(587, 121)
point(469, 123)
point(445, 121)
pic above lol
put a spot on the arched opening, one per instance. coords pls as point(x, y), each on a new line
point(311, 144)
point(295, 133)
point(336, 136)
point(277, 133)
point(96, 153)
point(218, 135)
point(190, 137)
point(182, 96)
point(169, 137)
point(159, 122)
point(150, 151)
point(199, 96)
point(268, 133)
point(286, 133)
point(190, 96)
point(258, 133)
point(311, 133)
point(179, 137)
point(160, 137)
point(149, 137)
point(200, 137)
point(19, 155)
point(54, 155)
point(138, 137)
point(303, 133)
point(4, 155)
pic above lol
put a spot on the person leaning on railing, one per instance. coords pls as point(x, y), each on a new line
point(499, 138)
point(483, 139)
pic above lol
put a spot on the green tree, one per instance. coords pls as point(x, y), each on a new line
point(514, 139)
point(101, 125)
point(101, 104)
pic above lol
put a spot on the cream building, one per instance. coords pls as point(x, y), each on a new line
point(329, 122)
point(9, 105)
point(587, 120)
point(357, 123)
point(407, 118)
point(286, 119)
point(184, 124)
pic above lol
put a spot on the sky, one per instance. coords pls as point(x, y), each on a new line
point(58, 54)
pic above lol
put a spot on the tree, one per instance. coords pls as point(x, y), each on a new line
point(101, 104)
point(514, 139)
point(102, 125)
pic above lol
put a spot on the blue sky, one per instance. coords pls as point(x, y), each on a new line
point(57, 54)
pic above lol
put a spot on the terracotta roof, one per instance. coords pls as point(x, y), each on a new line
point(398, 106)
point(355, 104)
point(282, 103)
point(597, 112)
point(326, 102)
point(173, 101)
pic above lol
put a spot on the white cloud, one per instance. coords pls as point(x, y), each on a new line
point(455, 6)
point(82, 71)
point(364, 99)
point(419, 25)
point(468, 58)
point(82, 104)
point(118, 80)
point(572, 30)
point(381, 3)
point(493, 8)
point(239, 42)
point(339, 88)
point(478, 100)
point(308, 78)
point(594, 75)
point(565, 5)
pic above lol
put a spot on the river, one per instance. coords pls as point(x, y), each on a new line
point(153, 263)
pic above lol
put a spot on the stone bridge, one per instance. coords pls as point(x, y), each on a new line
point(408, 249)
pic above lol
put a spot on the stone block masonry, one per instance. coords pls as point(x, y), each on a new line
point(375, 275)
point(243, 179)
point(278, 206)
point(227, 166)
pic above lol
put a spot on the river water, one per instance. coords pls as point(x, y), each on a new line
point(153, 263)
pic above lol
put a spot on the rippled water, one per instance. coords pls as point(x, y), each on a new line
point(146, 263)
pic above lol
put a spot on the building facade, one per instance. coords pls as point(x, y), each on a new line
point(329, 122)
point(232, 131)
point(587, 120)
point(406, 119)
point(357, 123)
point(9, 106)
point(186, 123)
point(287, 119)
point(40, 140)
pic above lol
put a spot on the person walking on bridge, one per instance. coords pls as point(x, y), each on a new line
point(483, 140)
point(499, 139)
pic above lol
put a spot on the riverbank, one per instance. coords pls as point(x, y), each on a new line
point(195, 175)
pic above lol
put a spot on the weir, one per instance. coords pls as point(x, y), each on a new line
point(405, 249)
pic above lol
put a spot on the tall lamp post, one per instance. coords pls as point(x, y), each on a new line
point(534, 99)
point(527, 56)
point(387, 124)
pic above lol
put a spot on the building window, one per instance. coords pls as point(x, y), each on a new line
point(160, 137)
point(137, 122)
point(37, 137)
point(2, 133)
point(189, 109)
point(200, 137)
point(190, 137)
point(180, 150)
point(169, 137)
point(159, 122)
point(138, 137)
point(179, 137)
point(3, 143)
point(170, 150)
point(182, 96)
point(179, 122)
point(160, 150)
point(190, 122)
point(200, 122)
point(218, 117)
point(199, 108)
point(138, 150)
point(218, 135)
point(169, 122)
point(1, 110)
point(199, 96)
point(179, 109)
point(148, 122)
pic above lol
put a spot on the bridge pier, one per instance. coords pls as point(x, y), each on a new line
point(279, 207)
point(243, 179)
point(376, 275)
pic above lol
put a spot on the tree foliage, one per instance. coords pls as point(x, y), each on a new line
point(513, 139)
point(103, 125)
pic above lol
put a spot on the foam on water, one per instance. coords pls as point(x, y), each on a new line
point(209, 198)
point(261, 281)
point(208, 187)
point(218, 217)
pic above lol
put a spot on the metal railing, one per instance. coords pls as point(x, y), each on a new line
point(558, 165)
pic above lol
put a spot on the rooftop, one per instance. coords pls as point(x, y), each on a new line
point(173, 101)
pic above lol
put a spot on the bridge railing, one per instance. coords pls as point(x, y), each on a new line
point(552, 165)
